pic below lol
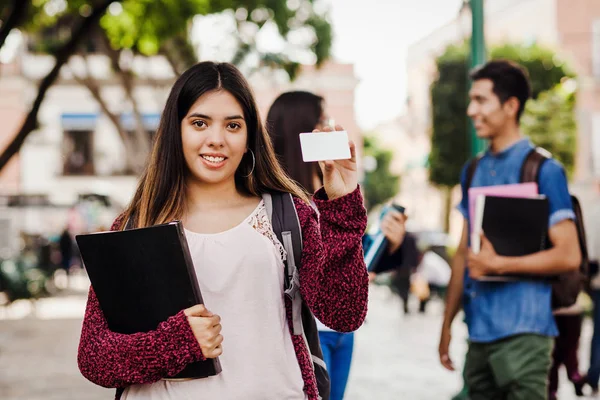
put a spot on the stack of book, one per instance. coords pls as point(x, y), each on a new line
point(514, 218)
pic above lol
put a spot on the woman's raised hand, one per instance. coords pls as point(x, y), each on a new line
point(340, 177)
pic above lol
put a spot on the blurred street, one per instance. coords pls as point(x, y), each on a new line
point(395, 356)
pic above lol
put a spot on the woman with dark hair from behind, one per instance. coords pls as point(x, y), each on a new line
point(290, 114)
point(210, 165)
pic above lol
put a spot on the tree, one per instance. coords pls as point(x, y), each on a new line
point(61, 55)
point(379, 184)
point(449, 141)
point(12, 14)
point(149, 27)
point(550, 123)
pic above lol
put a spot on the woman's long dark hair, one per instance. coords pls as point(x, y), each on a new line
point(161, 193)
point(290, 114)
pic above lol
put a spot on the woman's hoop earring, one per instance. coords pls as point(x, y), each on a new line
point(253, 164)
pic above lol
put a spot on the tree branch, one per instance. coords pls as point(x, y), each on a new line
point(94, 88)
point(15, 19)
point(128, 82)
point(62, 55)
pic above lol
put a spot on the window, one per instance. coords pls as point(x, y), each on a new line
point(150, 122)
point(78, 152)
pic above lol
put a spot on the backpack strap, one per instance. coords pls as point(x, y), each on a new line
point(471, 170)
point(286, 226)
point(129, 224)
point(530, 169)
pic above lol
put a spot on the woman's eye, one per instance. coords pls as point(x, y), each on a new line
point(199, 124)
point(234, 126)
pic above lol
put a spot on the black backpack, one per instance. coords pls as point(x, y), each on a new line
point(286, 225)
point(565, 287)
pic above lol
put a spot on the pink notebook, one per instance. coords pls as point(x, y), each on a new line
point(529, 189)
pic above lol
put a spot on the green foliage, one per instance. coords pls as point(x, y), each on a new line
point(146, 26)
point(322, 46)
point(545, 68)
point(550, 123)
point(379, 185)
point(450, 144)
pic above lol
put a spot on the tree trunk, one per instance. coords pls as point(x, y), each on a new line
point(142, 138)
point(15, 19)
point(180, 53)
point(447, 207)
point(62, 55)
point(130, 153)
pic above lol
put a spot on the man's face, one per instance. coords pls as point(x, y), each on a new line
point(489, 116)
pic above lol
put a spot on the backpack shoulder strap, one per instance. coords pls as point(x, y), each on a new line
point(286, 226)
point(471, 170)
point(581, 233)
point(530, 170)
point(285, 222)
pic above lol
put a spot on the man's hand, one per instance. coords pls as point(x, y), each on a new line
point(485, 262)
point(443, 349)
point(393, 227)
point(372, 276)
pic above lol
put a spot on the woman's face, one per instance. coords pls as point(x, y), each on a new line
point(214, 137)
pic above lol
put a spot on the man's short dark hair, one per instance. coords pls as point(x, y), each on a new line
point(510, 80)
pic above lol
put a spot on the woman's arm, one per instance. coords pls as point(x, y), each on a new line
point(117, 360)
point(333, 276)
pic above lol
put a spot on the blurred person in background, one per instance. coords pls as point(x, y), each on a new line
point(436, 272)
point(566, 346)
point(298, 112)
point(66, 245)
point(593, 374)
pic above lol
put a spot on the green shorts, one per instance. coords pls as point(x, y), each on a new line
point(515, 368)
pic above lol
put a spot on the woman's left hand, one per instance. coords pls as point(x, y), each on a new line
point(340, 177)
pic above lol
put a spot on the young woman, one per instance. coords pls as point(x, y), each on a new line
point(290, 114)
point(210, 163)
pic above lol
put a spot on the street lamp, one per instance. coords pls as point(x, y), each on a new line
point(477, 57)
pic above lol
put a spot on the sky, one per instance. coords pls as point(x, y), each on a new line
point(375, 35)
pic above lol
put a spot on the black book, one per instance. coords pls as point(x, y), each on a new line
point(515, 226)
point(142, 277)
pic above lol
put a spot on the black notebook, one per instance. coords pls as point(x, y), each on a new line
point(515, 226)
point(142, 277)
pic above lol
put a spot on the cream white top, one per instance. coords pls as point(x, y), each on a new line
point(240, 272)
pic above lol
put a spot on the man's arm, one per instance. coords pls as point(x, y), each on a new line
point(564, 256)
point(454, 296)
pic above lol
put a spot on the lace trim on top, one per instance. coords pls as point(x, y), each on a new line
point(260, 222)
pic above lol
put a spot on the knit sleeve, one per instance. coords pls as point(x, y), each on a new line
point(333, 275)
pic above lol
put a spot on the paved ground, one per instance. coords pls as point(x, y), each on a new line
point(395, 356)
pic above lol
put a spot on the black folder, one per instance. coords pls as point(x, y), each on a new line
point(515, 227)
point(142, 277)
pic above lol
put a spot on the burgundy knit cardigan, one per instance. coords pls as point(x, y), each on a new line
point(333, 282)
